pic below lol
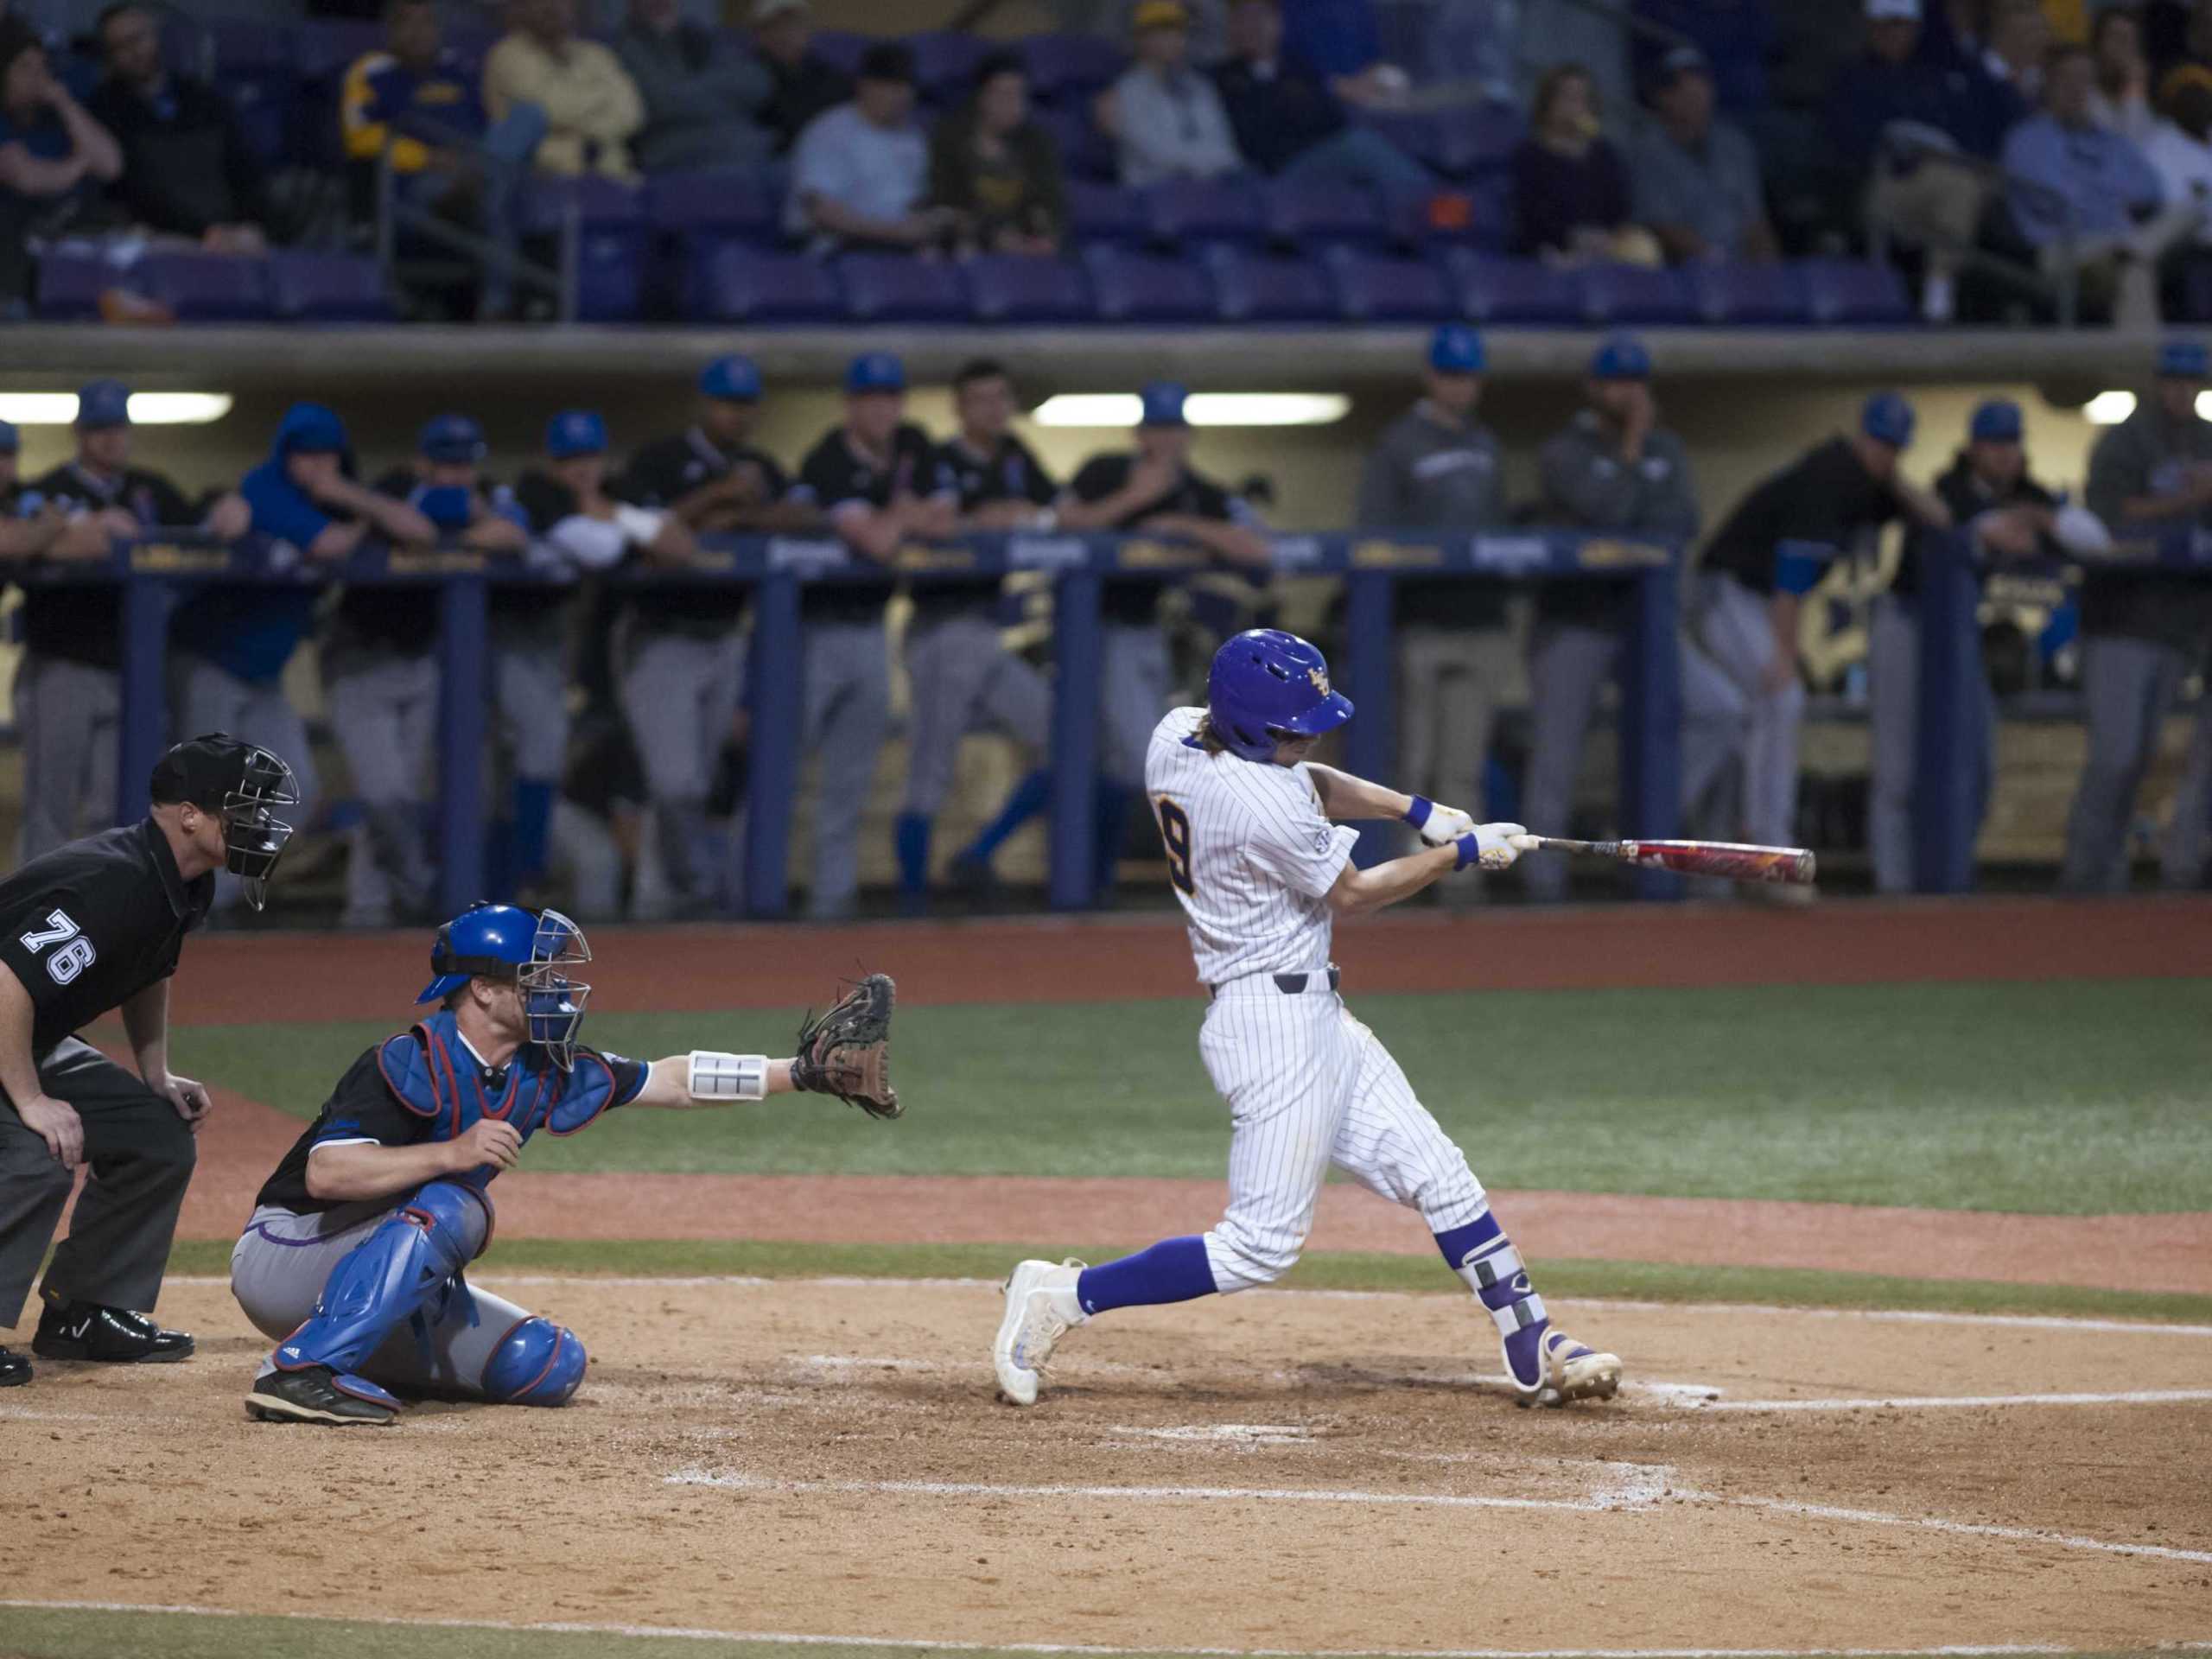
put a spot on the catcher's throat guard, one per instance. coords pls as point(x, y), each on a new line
point(253, 836)
point(534, 950)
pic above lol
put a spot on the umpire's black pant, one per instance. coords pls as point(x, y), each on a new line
point(140, 1155)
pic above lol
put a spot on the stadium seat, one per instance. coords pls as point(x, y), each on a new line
point(70, 285)
point(1106, 213)
point(902, 288)
point(1382, 288)
point(1490, 289)
point(944, 65)
point(326, 47)
point(740, 284)
point(1462, 145)
point(1064, 69)
point(1181, 211)
point(1854, 291)
point(207, 286)
point(1616, 294)
point(257, 67)
point(327, 288)
point(1084, 153)
point(1007, 287)
point(1773, 295)
point(1325, 215)
point(611, 247)
point(840, 50)
point(1139, 288)
point(1252, 286)
point(689, 206)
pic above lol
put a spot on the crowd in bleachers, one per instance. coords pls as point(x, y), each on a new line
point(1496, 159)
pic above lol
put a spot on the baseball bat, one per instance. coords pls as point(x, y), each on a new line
point(1787, 865)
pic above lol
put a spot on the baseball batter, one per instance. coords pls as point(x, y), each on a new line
point(354, 1256)
point(1262, 866)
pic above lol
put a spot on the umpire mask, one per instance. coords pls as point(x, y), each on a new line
point(241, 782)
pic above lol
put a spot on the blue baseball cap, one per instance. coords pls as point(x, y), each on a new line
point(2184, 360)
point(1454, 348)
point(11, 441)
point(1997, 421)
point(575, 432)
point(1622, 357)
point(1888, 419)
point(454, 438)
point(1163, 404)
point(876, 371)
point(104, 403)
point(310, 430)
point(733, 378)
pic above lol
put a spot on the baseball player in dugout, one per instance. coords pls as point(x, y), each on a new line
point(1438, 467)
point(96, 926)
point(355, 1257)
point(875, 478)
point(960, 675)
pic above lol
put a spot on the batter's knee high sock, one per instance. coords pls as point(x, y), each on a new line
point(1173, 1270)
point(911, 837)
point(1028, 798)
point(533, 828)
point(1481, 1253)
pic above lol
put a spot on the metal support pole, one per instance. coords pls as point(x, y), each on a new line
point(1652, 719)
point(143, 721)
point(463, 686)
point(772, 750)
point(1077, 664)
point(1944, 781)
point(1370, 742)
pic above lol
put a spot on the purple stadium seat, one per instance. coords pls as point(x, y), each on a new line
point(1489, 288)
point(688, 206)
point(1613, 293)
point(902, 288)
point(1854, 291)
point(327, 287)
point(739, 284)
point(1182, 211)
point(1067, 68)
point(1138, 287)
point(326, 47)
point(1106, 213)
point(1006, 288)
point(205, 287)
point(612, 241)
point(1324, 215)
point(945, 64)
point(70, 285)
point(1262, 288)
point(840, 51)
point(1378, 288)
point(1772, 294)
point(1085, 155)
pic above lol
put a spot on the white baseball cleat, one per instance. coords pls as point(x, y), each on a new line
point(1041, 1305)
point(1572, 1372)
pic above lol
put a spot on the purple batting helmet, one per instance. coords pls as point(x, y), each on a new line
point(1266, 684)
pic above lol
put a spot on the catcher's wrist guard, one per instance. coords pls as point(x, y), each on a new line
point(728, 1076)
point(846, 1049)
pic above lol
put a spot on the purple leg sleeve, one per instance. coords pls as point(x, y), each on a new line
point(1173, 1270)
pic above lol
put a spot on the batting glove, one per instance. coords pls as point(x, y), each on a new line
point(1439, 826)
point(1493, 846)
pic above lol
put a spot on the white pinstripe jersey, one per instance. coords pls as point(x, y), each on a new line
point(1248, 853)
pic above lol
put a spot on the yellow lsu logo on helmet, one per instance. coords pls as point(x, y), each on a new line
point(1320, 680)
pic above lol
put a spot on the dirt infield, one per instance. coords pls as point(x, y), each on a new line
point(1303, 1471)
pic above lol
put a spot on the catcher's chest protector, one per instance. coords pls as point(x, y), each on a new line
point(431, 1072)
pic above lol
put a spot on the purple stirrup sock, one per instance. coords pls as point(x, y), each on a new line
point(1173, 1270)
point(1524, 1345)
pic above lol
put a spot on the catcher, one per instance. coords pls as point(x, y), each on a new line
point(355, 1254)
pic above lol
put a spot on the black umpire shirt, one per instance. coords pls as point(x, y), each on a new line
point(1825, 498)
point(88, 926)
point(1008, 473)
point(83, 622)
point(835, 475)
point(663, 473)
point(1129, 601)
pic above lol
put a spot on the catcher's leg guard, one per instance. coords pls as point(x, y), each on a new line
point(395, 1272)
point(536, 1363)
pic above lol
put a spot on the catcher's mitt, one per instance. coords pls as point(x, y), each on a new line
point(846, 1049)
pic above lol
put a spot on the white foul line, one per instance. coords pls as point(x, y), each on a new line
point(1938, 1401)
point(2023, 1534)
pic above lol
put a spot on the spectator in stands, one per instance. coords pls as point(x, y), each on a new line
point(996, 168)
point(1288, 124)
point(1735, 37)
point(1341, 41)
point(1694, 180)
point(2144, 630)
point(861, 171)
point(805, 85)
point(2012, 58)
point(592, 107)
point(1570, 187)
point(187, 167)
point(2180, 147)
point(700, 88)
point(1165, 118)
point(2121, 103)
point(49, 147)
point(2114, 208)
point(1437, 467)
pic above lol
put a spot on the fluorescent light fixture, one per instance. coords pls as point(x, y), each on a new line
point(147, 408)
point(2109, 408)
point(1108, 408)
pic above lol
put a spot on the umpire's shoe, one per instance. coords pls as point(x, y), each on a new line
point(319, 1395)
point(14, 1369)
point(113, 1335)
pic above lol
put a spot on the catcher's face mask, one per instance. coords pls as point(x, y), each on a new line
point(552, 1001)
point(253, 836)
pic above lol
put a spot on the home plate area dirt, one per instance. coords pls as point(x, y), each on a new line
point(1303, 1471)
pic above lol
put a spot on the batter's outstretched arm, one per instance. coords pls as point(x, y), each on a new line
point(672, 1079)
point(1344, 796)
point(1358, 892)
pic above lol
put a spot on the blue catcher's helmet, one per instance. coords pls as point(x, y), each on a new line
point(1265, 684)
point(535, 949)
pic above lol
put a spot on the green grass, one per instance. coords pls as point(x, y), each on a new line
point(2059, 1098)
point(1562, 1280)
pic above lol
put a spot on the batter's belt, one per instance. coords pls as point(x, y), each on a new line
point(1288, 984)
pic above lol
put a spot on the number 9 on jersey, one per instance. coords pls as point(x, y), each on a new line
point(1175, 835)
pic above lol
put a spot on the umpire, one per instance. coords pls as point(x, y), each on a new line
point(94, 925)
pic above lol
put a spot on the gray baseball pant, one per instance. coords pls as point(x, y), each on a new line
point(2129, 685)
point(2182, 859)
point(210, 698)
point(848, 713)
point(1738, 635)
point(65, 718)
point(962, 680)
point(680, 694)
point(1131, 699)
point(531, 690)
point(383, 711)
point(1893, 665)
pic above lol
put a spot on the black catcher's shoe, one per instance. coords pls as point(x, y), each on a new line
point(113, 1336)
point(319, 1395)
point(14, 1369)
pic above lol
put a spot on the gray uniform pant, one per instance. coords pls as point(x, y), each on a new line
point(383, 711)
point(848, 690)
point(209, 698)
point(2129, 685)
point(1567, 665)
point(1893, 665)
point(1450, 684)
point(1738, 635)
point(961, 679)
point(1133, 696)
point(278, 1272)
point(140, 1154)
point(532, 693)
point(680, 694)
point(66, 717)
